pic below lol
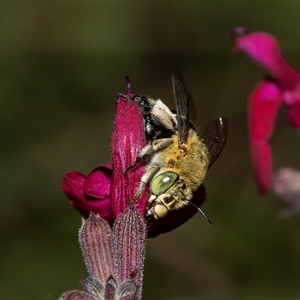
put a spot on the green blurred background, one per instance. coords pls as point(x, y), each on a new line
point(61, 65)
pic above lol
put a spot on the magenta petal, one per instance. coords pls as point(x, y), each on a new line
point(72, 185)
point(176, 218)
point(264, 49)
point(128, 139)
point(260, 46)
point(264, 103)
point(102, 208)
point(97, 183)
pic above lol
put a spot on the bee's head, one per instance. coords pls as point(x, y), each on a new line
point(168, 192)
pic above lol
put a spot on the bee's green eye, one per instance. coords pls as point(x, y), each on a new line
point(161, 183)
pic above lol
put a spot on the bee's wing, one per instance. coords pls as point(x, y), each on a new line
point(182, 99)
point(214, 137)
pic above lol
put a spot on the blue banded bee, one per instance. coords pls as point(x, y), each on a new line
point(177, 159)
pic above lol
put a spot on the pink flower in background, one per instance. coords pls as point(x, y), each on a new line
point(264, 102)
point(106, 191)
point(286, 184)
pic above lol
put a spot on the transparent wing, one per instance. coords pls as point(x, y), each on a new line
point(214, 137)
point(182, 99)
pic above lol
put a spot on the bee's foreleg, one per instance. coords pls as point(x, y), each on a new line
point(143, 155)
point(146, 178)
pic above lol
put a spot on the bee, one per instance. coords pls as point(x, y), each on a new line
point(176, 157)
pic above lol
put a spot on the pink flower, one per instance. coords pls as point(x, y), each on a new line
point(90, 193)
point(264, 102)
point(106, 191)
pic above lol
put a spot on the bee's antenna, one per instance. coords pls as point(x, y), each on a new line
point(202, 213)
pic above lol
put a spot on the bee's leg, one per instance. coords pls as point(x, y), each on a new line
point(160, 144)
point(146, 178)
point(148, 151)
point(155, 146)
point(141, 157)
